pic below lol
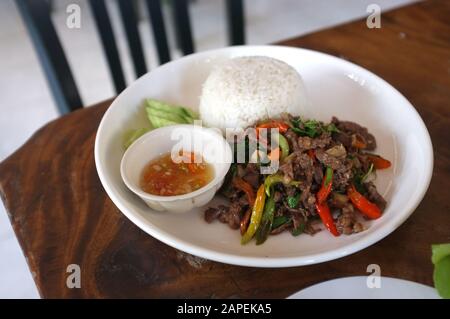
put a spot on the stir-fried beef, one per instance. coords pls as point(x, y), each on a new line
point(308, 143)
point(352, 128)
point(292, 137)
point(328, 160)
point(347, 222)
point(227, 215)
point(374, 196)
point(343, 138)
point(280, 229)
point(277, 196)
point(251, 175)
point(288, 170)
point(310, 229)
point(212, 213)
point(343, 175)
point(309, 202)
point(303, 168)
point(318, 174)
point(324, 167)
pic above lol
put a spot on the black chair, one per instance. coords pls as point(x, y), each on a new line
point(36, 15)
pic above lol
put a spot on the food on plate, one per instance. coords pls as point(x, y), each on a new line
point(245, 90)
point(325, 175)
point(165, 176)
point(160, 114)
point(288, 173)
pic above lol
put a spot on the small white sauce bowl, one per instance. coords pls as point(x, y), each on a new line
point(206, 142)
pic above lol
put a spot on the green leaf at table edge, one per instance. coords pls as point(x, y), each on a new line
point(439, 251)
point(441, 277)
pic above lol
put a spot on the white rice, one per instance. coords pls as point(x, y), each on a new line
point(245, 90)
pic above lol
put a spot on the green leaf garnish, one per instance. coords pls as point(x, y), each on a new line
point(292, 201)
point(280, 220)
point(332, 128)
point(161, 114)
point(369, 171)
point(299, 230)
point(441, 275)
point(439, 252)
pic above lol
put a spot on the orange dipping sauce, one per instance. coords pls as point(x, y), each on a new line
point(163, 177)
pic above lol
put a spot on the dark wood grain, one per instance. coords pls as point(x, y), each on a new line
point(61, 214)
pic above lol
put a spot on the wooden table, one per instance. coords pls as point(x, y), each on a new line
point(61, 214)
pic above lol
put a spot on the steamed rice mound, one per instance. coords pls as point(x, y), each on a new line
point(245, 90)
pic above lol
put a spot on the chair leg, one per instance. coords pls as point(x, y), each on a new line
point(109, 45)
point(182, 23)
point(36, 16)
point(235, 22)
point(158, 29)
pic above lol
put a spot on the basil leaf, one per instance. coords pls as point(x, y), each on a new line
point(358, 182)
point(299, 230)
point(292, 201)
point(363, 179)
point(332, 128)
point(313, 128)
point(298, 131)
point(280, 220)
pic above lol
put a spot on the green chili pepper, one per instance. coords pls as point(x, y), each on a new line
point(284, 146)
point(328, 175)
point(255, 219)
point(325, 189)
point(266, 222)
point(271, 180)
point(275, 179)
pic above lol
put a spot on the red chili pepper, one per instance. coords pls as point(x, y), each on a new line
point(327, 183)
point(363, 204)
point(358, 141)
point(281, 126)
point(312, 154)
point(246, 188)
point(378, 161)
point(245, 220)
point(325, 215)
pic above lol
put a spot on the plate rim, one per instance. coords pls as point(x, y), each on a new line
point(269, 262)
point(346, 278)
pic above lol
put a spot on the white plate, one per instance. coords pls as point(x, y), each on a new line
point(335, 87)
point(357, 288)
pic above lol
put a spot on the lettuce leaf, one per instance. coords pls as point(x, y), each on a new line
point(441, 276)
point(160, 114)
